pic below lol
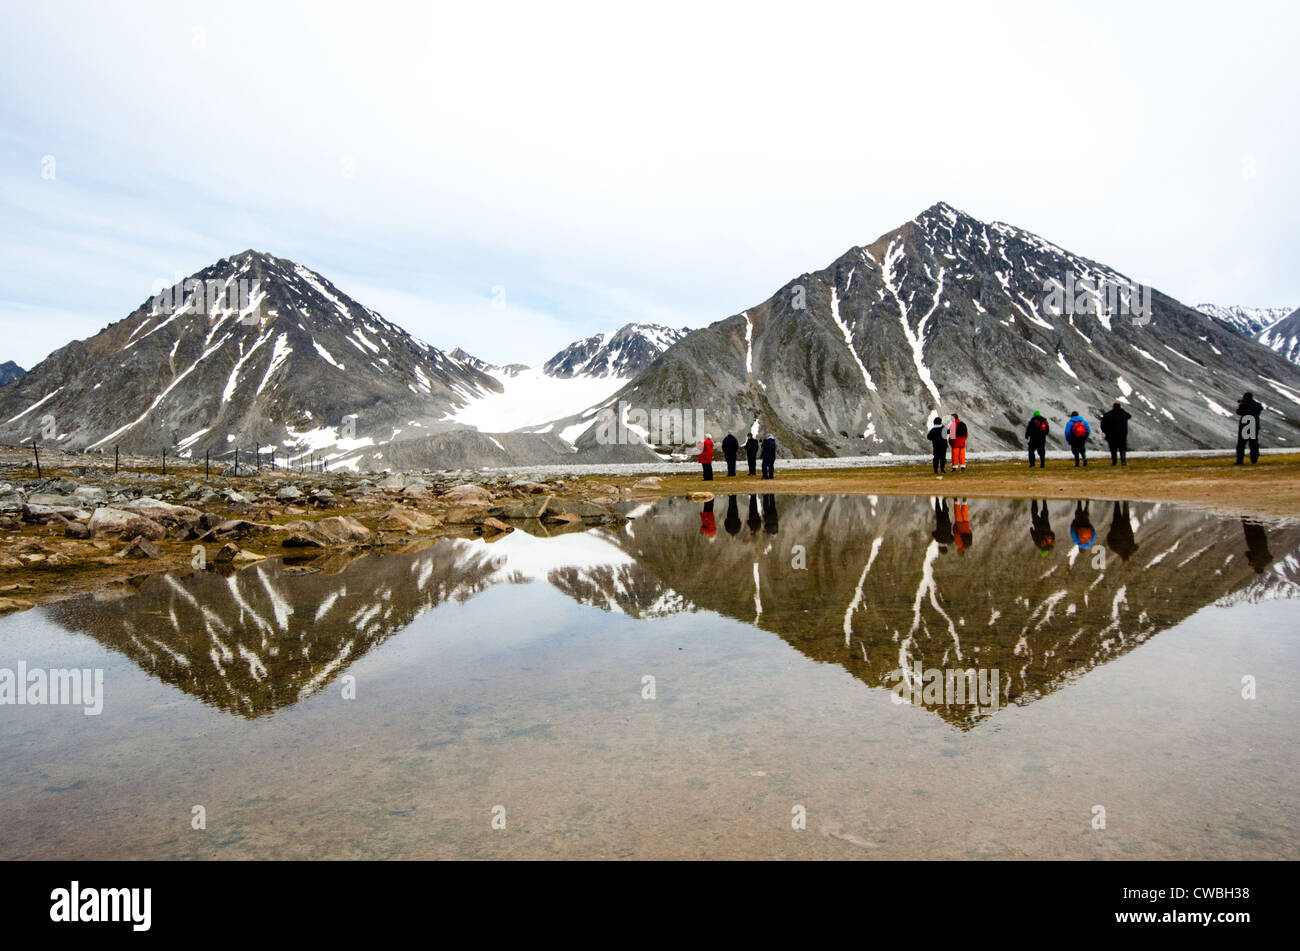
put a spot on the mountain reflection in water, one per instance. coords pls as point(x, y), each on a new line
point(1038, 592)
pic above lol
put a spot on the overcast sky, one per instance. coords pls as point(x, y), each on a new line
point(612, 162)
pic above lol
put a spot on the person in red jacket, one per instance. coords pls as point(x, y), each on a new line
point(958, 437)
point(708, 524)
point(706, 457)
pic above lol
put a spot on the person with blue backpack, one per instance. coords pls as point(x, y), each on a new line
point(1077, 432)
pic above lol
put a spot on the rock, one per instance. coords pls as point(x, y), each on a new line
point(495, 526)
point(90, 493)
point(14, 604)
point(243, 470)
point(164, 513)
point(288, 493)
point(701, 496)
point(336, 532)
point(394, 482)
point(527, 508)
point(465, 514)
point(232, 554)
point(649, 482)
point(11, 502)
point(398, 519)
point(416, 490)
point(76, 530)
point(467, 493)
point(140, 547)
point(240, 528)
point(111, 521)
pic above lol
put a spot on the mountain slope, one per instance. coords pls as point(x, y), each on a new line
point(287, 371)
point(947, 313)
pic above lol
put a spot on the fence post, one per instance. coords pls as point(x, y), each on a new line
point(37, 453)
point(114, 460)
point(205, 463)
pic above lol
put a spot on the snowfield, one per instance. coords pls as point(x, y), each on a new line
point(532, 398)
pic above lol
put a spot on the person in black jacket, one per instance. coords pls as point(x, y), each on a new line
point(1114, 426)
point(769, 457)
point(942, 525)
point(770, 523)
point(1040, 528)
point(732, 521)
point(1120, 537)
point(730, 445)
point(938, 445)
point(751, 452)
point(755, 521)
point(1248, 410)
point(1257, 552)
point(1036, 434)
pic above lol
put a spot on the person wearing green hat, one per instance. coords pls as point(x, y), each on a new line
point(1036, 432)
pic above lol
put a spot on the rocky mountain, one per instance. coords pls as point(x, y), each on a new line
point(1247, 321)
point(949, 314)
point(624, 353)
point(10, 371)
point(1283, 336)
point(251, 350)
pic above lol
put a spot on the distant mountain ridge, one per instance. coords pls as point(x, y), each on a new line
point(1248, 321)
point(10, 371)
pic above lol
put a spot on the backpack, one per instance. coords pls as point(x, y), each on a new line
point(1078, 429)
point(961, 430)
point(1040, 425)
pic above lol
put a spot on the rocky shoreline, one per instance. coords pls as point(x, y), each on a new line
point(77, 527)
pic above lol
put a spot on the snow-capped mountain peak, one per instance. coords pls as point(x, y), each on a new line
point(623, 354)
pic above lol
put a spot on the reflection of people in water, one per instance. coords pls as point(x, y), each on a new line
point(769, 514)
point(961, 526)
point(1120, 537)
point(1257, 552)
point(1040, 528)
point(732, 522)
point(707, 524)
point(942, 524)
point(755, 520)
point(1081, 530)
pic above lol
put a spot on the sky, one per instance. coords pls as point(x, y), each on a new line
point(508, 178)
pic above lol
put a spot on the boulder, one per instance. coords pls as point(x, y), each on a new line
point(467, 493)
point(164, 513)
point(649, 482)
point(398, 519)
point(339, 531)
point(288, 493)
point(111, 521)
point(493, 526)
point(140, 547)
point(534, 507)
point(465, 514)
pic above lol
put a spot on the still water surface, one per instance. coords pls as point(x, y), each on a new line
point(1108, 644)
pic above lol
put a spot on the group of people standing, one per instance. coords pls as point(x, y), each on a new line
point(1114, 428)
point(1077, 431)
point(754, 450)
point(950, 437)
